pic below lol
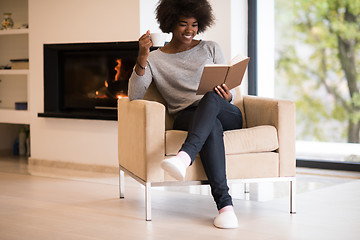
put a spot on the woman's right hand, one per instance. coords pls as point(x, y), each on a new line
point(144, 44)
point(144, 49)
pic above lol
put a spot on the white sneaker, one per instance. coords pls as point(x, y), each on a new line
point(175, 167)
point(226, 219)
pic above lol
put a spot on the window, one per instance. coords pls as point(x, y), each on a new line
point(313, 50)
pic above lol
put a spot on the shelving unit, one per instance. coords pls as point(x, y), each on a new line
point(13, 88)
point(14, 83)
point(11, 115)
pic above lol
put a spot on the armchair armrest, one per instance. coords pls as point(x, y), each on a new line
point(141, 131)
point(281, 115)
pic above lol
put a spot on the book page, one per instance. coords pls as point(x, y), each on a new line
point(217, 65)
point(237, 58)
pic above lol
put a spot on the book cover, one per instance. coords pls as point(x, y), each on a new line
point(217, 74)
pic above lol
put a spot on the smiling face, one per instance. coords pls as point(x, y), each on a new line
point(185, 30)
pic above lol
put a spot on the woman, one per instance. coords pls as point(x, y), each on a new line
point(176, 69)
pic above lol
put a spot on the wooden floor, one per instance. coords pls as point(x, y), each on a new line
point(57, 204)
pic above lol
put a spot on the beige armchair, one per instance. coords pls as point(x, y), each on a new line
point(264, 150)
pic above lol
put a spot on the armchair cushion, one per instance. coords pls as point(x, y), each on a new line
point(248, 140)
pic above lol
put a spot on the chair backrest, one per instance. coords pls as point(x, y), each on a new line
point(152, 94)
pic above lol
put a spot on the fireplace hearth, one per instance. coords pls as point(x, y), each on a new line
point(85, 80)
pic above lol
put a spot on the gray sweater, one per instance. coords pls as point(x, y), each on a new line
point(177, 76)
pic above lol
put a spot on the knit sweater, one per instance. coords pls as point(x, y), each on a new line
point(176, 76)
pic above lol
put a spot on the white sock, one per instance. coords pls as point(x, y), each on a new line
point(175, 167)
point(184, 157)
point(226, 219)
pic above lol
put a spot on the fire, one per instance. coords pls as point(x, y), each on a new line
point(119, 96)
point(117, 69)
point(115, 88)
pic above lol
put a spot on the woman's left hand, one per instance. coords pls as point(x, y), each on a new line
point(224, 92)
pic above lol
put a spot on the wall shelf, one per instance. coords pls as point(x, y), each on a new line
point(14, 31)
point(14, 72)
point(14, 116)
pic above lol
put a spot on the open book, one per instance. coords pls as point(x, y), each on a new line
point(217, 74)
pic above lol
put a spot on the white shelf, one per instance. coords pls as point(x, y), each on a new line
point(14, 116)
point(14, 72)
point(14, 31)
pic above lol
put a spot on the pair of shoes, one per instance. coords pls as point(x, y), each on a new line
point(226, 219)
point(175, 167)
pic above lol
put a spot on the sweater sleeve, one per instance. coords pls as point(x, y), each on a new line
point(219, 57)
point(139, 84)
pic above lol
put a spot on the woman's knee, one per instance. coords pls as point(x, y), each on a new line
point(210, 97)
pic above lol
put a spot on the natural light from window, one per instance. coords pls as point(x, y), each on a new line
point(315, 61)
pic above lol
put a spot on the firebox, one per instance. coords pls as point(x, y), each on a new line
point(85, 80)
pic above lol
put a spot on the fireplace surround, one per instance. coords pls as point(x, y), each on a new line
point(84, 80)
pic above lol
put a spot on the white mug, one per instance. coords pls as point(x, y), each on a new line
point(158, 39)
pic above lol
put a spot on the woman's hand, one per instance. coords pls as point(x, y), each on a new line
point(145, 44)
point(223, 92)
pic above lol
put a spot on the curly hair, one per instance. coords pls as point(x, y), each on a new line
point(168, 13)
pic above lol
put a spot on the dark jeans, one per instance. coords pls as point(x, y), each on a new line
point(205, 125)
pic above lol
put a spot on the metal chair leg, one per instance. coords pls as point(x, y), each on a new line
point(148, 201)
point(293, 196)
point(121, 183)
point(246, 187)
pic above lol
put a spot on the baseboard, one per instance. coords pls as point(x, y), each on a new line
point(72, 166)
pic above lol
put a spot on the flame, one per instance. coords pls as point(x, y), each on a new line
point(105, 92)
point(117, 69)
point(119, 96)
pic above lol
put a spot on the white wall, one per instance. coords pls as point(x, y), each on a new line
point(147, 16)
point(65, 21)
point(53, 21)
point(266, 48)
point(239, 38)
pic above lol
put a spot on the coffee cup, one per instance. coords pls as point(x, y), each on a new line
point(158, 39)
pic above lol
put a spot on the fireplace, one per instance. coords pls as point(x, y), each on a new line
point(85, 80)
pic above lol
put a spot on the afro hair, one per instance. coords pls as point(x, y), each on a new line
point(168, 13)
